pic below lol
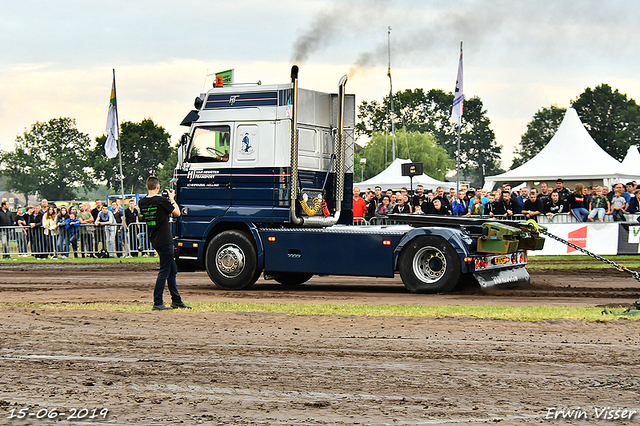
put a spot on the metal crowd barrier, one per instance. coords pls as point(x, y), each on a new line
point(87, 241)
point(569, 218)
point(360, 221)
point(113, 241)
point(542, 219)
point(379, 220)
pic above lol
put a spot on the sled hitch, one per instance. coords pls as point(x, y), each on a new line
point(502, 278)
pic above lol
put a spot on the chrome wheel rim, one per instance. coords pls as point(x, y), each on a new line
point(429, 264)
point(230, 260)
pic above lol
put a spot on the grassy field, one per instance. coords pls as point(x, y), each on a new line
point(81, 260)
point(524, 313)
point(510, 313)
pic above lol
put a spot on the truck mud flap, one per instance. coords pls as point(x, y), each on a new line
point(496, 278)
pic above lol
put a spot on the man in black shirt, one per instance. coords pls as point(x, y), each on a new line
point(563, 193)
point(532, 207)
point(377, 199)
point(36, 233)
point(156, 210)
point(507, 207)
point(96, 210)
point(369, 201)
point(443, 200)
point(135, 233)
point(555, 206)
point(7, 221)
point(545, 193)
point(490, 206)
point(419, 197)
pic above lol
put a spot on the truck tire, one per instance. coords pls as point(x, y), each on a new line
point(429, 264)
point(292, 279)
point(232, 261)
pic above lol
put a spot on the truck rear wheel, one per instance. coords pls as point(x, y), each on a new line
point(429, 264)
point(292, 279)
point(232, 261)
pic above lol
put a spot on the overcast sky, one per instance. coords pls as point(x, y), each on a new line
point(519, 56)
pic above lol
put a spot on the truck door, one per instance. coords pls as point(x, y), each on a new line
point(205, 183)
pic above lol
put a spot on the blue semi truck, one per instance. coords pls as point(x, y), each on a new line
point(261, 181)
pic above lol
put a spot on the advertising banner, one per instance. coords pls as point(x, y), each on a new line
point(599, 238)
point(629, 241)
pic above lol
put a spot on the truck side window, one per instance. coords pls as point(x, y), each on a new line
point(210, 144)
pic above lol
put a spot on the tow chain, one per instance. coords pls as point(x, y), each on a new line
point(633, 310)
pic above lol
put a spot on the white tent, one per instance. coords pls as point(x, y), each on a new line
point(391, 178)
point(632, 160)
point(571, 154)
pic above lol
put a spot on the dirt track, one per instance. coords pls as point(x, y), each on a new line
point(44, 283)
point(157, 368)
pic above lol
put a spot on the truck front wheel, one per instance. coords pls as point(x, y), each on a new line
point(429, 264)
point(232, 261)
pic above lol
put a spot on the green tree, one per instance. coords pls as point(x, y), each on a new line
point(145, 148)
point(539, 132)
point(420, 111)
point(51, 158)
point(414, 110)
point(612, 119)
point(419, 147)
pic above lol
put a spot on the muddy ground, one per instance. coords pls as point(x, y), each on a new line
point(158, 368)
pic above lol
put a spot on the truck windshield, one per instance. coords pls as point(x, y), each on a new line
point(210, 144)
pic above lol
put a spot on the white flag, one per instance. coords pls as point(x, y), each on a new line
point(458, 95)
point(111, 145)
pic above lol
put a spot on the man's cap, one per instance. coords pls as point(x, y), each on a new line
point(559, 180)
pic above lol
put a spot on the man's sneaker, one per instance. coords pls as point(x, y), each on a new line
point(162, 308)
point(175, 305)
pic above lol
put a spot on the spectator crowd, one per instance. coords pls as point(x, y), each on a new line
point(50, 231)
point(585, 203)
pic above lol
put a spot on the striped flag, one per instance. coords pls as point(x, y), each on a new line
point(458, 96)
point(111, 145)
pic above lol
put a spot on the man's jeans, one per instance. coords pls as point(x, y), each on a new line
point(167, 273)
point(110, 237)
point(4, 240)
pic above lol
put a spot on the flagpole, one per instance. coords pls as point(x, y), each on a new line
point(458, 163)
point(124, 221)
point(393, 128)
point(457, 101)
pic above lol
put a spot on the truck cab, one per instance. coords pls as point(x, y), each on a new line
point(261, 181)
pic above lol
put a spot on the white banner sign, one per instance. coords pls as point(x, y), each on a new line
point(599, 238)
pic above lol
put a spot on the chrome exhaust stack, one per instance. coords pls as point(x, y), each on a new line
point(339, 150)
point(294, 146)
point(340, 147)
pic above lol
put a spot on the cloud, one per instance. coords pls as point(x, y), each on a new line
point(500, 31)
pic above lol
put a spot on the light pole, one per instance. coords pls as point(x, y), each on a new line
point(363, 161)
